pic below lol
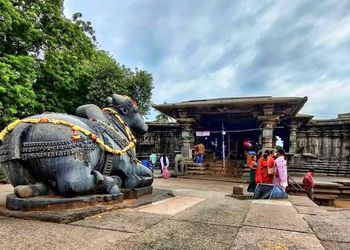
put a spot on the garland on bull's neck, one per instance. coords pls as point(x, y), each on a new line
point(128, 132)
point(76, 128)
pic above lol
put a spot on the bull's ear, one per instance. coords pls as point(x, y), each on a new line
point(118, 99)
point(109, 100)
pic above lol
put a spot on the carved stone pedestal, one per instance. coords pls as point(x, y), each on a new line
point(58, 202)
point(137, 192)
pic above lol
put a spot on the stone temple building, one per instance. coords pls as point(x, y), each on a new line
point(224, 125)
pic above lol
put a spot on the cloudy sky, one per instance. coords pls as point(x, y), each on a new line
point(199, 49)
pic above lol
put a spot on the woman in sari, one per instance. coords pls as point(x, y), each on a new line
point(264, 171)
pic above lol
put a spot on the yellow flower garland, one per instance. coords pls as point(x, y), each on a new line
point(75, 128)
point(129, 134)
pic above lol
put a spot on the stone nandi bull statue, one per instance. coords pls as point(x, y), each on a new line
point(70, 155)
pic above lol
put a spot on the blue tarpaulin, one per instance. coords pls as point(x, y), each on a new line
point(269, 191)
point(145, 163)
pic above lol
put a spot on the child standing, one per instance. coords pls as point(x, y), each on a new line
point(309, 183)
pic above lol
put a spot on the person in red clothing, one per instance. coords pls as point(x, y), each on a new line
point(252, 164)
point(264, 171)
point(309, 183)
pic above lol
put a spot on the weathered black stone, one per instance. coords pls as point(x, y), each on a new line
point(47, 153)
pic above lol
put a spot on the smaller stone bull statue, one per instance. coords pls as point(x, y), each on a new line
point(71, 155)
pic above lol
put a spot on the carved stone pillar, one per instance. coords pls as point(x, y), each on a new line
point(336, 145)
point(327, 145)
point(187, 136)
point(293, 128)
point(268, 123)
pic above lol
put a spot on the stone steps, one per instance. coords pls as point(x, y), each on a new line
point(197, 168)
point(326, 192)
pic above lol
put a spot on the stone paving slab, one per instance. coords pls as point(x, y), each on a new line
point(273, 202)
point(262, 238)
point(26, 234)
point(311, 210)
point(122, 220)
point(346, 213)
point(331, 245)
point(276, 217)
point(172, 234)
point(228, 211)
point(170, 206)
point(301, 201)
point(331, 228)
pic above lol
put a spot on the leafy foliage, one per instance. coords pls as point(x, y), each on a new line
point(50, 63)
point(17, 97)
point(104, 76)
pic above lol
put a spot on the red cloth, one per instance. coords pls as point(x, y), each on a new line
point(166, 173)
point(261, 175)
point(308, 180)
point(251, 164)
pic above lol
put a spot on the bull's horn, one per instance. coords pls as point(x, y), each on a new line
point(118, 99)
point(109, 100)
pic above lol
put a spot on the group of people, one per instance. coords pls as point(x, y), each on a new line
point(164, 164)
point(179, 163)
point(269, 168)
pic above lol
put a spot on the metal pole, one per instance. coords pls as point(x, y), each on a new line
point(236, 150)
point(223, 147)
point(228, 146)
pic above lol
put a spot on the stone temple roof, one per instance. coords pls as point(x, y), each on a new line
point(231, 101)
point(236, 108)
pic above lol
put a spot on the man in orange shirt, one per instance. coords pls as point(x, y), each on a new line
point(199, 152)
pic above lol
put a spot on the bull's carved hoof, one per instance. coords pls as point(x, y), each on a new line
point(27, 191)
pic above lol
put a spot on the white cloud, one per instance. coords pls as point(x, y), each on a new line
point(204, 48)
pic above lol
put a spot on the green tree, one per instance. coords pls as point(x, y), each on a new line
point(66, 46)
point(50, 63)
point(17, 98)
point(140, 88)
point(103, 76)
point(19, 39)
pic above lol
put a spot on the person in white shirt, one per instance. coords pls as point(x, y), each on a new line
point(164, 163)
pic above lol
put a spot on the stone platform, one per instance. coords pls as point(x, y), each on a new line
point(66, 210)
point(58, 202)
point(137, 192)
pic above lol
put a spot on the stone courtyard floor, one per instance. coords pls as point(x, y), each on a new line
point(199, 216)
